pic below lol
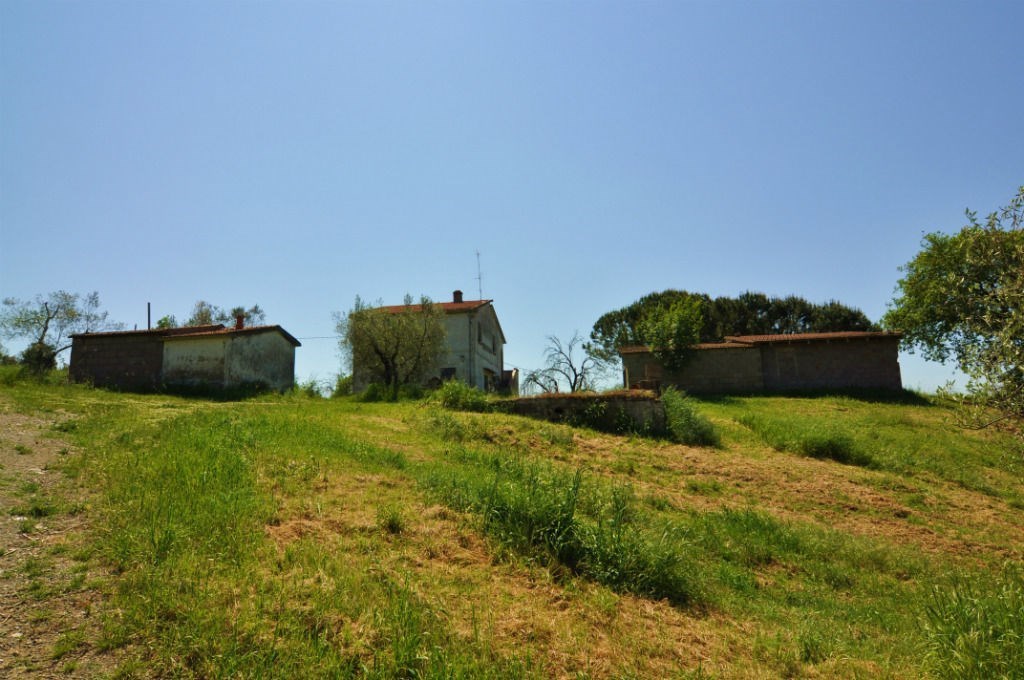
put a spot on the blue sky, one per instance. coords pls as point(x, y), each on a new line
point(297, 154)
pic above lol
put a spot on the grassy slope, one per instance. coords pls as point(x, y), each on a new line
point(287, 536)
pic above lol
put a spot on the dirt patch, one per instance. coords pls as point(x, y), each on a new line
point(47, 608)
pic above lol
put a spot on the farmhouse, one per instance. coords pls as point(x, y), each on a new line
point(212, 356)
point(475, 347)
point(774, 363)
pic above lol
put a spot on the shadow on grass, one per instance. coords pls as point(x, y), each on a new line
point(874, 396)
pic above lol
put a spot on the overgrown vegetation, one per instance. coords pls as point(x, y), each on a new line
point(962, 299)
point(975, 630)
point(546, 514)
point(283, 536)
point(685, 422)
point(458, 396)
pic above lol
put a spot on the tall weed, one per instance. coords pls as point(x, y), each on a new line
point(975, 630)
point(685, 423)
point(537, 510)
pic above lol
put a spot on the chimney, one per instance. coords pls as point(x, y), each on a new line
point(457, 296)
point(239, 322)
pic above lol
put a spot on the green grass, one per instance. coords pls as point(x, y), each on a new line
point(908, 439)
point(975, 630)
point(547, 514)
point(287, 535)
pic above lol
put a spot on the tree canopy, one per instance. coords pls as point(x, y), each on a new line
point(393, 347)
point(204, 314)
point(962, 299)
point(49, 321)
point(748, 314)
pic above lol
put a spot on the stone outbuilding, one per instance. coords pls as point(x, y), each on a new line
point(197, 356)
point(747, 364)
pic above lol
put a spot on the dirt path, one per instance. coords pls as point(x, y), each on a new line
point(48, 593)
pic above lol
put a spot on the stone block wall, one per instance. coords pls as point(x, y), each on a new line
point(837, 364)
point(123, 361)
point(720, 371)
point(843, 363)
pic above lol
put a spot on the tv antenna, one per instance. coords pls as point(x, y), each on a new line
point(479, 278)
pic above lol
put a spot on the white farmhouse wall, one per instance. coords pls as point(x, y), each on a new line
point(475, 348)
point(194, 361)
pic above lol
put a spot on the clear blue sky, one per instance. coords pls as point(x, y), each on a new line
point(296, 154)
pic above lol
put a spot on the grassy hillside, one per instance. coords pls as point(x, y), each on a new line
point(289, 536)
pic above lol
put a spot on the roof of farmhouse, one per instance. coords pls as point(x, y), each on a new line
point(193, 332)
point(448, 307)
point(741, 341)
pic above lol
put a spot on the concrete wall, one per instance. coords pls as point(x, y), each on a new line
point(733, 370)
point(195, 361)
point(128, 361)
point(856, 363)
point(259, 358)
point(846, 363)
point(708, 371)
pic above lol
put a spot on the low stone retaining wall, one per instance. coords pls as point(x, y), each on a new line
point(638, 411)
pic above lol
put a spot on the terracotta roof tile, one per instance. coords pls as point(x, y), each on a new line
point(448, 307)
point(808, 337)
point(204, 332)
point(164, 332)
point(740, 341)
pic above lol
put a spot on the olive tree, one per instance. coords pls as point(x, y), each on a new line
point(49, 321)
point(962, 299)
point(392, 345)
point(205, 314)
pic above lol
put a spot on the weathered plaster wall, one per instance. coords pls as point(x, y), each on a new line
point(602, 412)
point(195, 361)
point(122, 361)
point(458, 354)
point(264, 358)
point(474, 345)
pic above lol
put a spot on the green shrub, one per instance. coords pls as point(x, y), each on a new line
point(309, 388)
point(39, 358)
point(685, 423)
point(975, 629)
point(375, 392)
point(342, 386)
point(11, 375)
point(459, 396)
point(410, 392)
